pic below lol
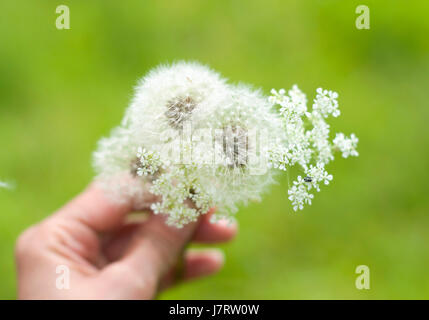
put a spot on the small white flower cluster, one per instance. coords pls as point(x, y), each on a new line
point(326, 103)
point(346, 145)
point(148, 162)
point(190, 141)
point(181, 196)
point(307, 140)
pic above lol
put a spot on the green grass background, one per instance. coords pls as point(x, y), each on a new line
point(60, 91)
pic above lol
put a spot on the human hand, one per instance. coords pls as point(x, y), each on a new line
point(108, 257)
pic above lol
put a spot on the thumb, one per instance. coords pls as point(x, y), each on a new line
point(94, 209)
point(153, 252)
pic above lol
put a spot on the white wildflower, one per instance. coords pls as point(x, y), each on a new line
point(148, 162)
point(324, 150)
point(346, 145)
point(299, 194)
point(326, 103)
point(182, 215)
point(317, 174)
point(304, 145)
point(190, 141)
point(279, 157)
point(293, 106)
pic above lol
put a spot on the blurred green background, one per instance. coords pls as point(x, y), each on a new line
point(61, 90)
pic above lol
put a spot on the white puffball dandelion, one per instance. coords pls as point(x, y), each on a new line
point(190, 141)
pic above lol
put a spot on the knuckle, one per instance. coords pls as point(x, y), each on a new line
point(33, 238)
point(25, 241)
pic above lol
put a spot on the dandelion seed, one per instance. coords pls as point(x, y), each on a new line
point(179, 110)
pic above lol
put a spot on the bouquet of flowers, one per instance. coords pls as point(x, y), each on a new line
point(190, 141)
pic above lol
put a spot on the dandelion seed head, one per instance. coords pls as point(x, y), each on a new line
point(190, 141)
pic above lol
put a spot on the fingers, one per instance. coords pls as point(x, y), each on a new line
point(115, 245)
point(200, 263)
point(152, 252)
point(197, 264)
point(220, 231)
point(206, 232)
point(95, 210)
point(156, 246)
point(146, 253)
